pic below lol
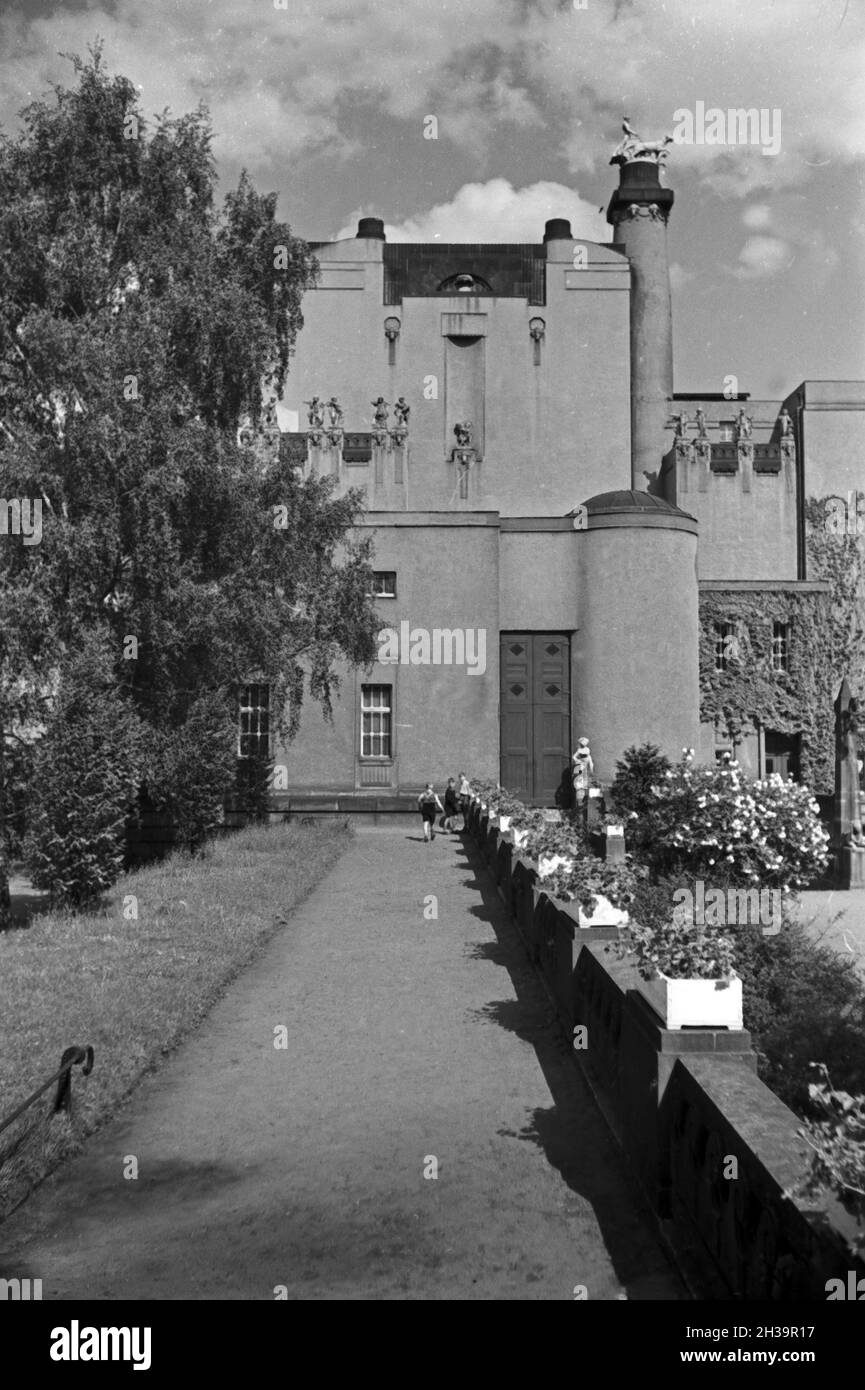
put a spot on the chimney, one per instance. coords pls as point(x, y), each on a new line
point(638, 212)
point(370, 228)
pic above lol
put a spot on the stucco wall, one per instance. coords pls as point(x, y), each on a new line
point(444, 718)
point(571, 411)
point(636, 675)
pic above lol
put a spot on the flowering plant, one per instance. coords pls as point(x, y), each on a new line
point(589, 877)
point(554, 837)
point(503, 803)
point(483, 788)
point(705, 818)
point(679, 949)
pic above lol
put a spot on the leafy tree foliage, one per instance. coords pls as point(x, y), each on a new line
point(85, 777)
point(137, 323)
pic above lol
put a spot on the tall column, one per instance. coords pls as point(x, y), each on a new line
point(638, 212)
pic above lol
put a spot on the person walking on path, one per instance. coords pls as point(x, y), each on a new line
point(452, 810)
point(429, 803)
point(465, 796)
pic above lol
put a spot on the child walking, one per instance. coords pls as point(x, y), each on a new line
point(429, 804)
point(451, 807)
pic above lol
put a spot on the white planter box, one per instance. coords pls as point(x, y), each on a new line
point(695, 1003)
point(547, 864)
point(504, 823)
point(604, 915)
point(519, 837)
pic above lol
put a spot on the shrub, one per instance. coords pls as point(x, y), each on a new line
point(837, 1140)
point(86, 771)
point(191, 770)
point(711, 820)
point(803, 1003)
point(637, 772)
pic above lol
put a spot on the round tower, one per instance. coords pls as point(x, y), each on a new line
point(635, 653)
point(638, 212)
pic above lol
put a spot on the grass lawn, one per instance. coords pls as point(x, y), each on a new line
point(134, 988)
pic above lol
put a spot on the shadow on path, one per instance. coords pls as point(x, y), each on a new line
point(571, 1133)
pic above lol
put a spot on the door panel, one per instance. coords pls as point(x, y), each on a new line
point(535, 715)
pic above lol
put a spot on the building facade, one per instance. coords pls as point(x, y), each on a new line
point(549, 517)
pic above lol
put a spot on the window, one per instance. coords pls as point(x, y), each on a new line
point(726, 646)
point(384, 584)
point(254, 731)
point(465, 283)
point(727, 434)
point(376, 712)
point(780, 646)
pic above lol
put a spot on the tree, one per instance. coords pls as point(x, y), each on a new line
point(137, 324)
point(85, 776)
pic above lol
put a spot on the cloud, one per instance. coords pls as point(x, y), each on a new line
point(496, 211)
point(757, 216)
point(283, 83)
point(762, 256)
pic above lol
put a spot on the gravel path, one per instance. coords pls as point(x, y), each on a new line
point(302, 1167)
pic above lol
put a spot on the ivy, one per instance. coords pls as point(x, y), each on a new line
point(826, 642)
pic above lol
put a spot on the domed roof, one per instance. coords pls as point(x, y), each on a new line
point(627, 500)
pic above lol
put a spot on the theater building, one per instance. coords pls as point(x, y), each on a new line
point(546, 510)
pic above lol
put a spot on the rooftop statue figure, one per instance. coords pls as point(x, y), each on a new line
point(634, 147)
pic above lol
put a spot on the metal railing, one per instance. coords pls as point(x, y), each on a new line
point(72, 1057)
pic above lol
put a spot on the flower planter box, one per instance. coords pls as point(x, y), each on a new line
point(518, 837)
point(695, 1003)
point(504, 823)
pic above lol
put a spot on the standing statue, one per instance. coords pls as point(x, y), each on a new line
point(584, 771)
point(786, 423)
point(381, 410)
point(334, 410)
point(743, 424)
point(401, 411)
point(315, 414)
point(463, 433)
point(681, 422)
point(701, 423)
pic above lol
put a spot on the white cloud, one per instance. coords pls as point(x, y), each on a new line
point(496, 211)
point(757, 216)
point(762, 256)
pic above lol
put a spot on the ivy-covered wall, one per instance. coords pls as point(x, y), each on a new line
point(826, 642)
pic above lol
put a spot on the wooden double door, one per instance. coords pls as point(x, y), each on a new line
point(535, 716)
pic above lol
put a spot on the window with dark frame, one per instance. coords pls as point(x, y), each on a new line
point(376, 726)
point(254, 722)
point(780, 646)
point(384, 584)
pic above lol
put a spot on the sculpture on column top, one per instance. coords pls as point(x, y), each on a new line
point(634, 147)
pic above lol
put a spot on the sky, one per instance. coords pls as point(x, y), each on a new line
point(328, 103)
